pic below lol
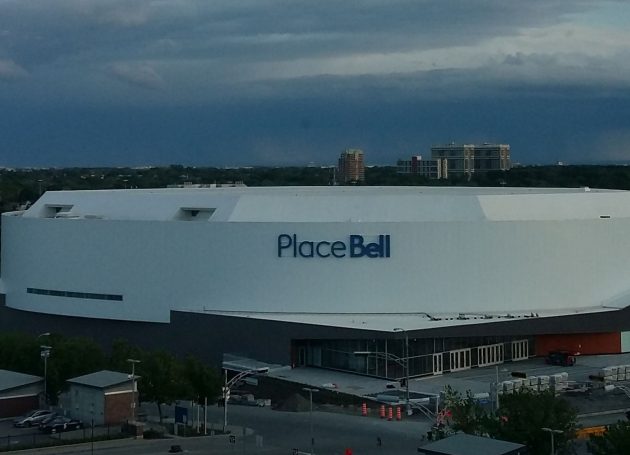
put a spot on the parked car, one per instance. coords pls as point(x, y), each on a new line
point(48, 419)
point(33, 418)
point(563, 358)
point(60, 424)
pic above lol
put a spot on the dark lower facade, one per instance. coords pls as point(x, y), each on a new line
point(368, 352)
point(388, 358)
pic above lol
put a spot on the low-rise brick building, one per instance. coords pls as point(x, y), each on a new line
point(108, 397)
point(19, 393)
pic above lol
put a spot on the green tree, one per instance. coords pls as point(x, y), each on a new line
point(616, 441)
point(120, 353)
point(162, 380)
point(69, 358)
point(466, 413)
point(522, 416)
point(203, 381)
point(21, 353)
point(520, 419)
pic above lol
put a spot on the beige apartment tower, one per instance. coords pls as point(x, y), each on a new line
point(351, 167)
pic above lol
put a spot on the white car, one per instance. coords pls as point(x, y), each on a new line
point(33, 418)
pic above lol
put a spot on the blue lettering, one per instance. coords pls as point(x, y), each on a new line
point(372, 250)
point(355, 247)
point(338, 247)
point(309, 251)
point(284, 242)
point(319, 253)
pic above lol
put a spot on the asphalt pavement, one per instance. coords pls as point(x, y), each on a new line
point(276, 432)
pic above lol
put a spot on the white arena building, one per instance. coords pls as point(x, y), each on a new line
point(311, 275)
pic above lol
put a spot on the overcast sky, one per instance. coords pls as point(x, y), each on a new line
point(288, 82)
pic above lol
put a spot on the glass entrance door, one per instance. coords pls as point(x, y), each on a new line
point(438, 363)
point(459, 359)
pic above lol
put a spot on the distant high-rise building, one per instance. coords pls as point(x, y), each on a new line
point(433, 169)
point(468, 159)
point(465, 159)
point(351, 168)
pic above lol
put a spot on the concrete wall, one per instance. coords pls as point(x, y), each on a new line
point(85, 403)
point(434, 267)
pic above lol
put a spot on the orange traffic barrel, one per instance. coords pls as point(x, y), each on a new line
point(381, 411)
point(398, 413)
point(364, 409)
point(390, 413)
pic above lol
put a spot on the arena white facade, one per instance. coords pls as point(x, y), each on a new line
point(363, 257)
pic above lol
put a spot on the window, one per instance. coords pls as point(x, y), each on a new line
point(75, 295)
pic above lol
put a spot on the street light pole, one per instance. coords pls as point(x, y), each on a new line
point(310, 395)
point(552, 432)
point(92, 431)
point(44, 354)
point(133, 387)
point(496, 392)
point(406, 354)
point(226, 397)
point(399, 360)
point(232, 382)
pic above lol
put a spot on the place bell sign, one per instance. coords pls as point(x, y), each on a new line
point(355, 246)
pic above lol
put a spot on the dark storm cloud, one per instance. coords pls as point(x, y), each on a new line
point(37, 33)
point(141, 75)
point(287, 82)
point(10, 71)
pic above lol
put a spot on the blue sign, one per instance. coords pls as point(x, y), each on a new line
point(355, 247)
point(181, 415)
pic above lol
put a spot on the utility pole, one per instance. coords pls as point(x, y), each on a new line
point(406, 365)
point(133, 387)
point(551, 433)
point(45, 353)
point(310, 395)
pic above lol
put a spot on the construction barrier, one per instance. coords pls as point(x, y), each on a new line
point(381, 411)
point(364, 409)
point(585, 433)
point(398, 413)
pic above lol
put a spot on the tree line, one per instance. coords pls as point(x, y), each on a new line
point(18, 187)
point(525, 417)
point(164, 377)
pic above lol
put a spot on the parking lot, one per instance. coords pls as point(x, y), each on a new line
point(11, 436)
point(477, 380)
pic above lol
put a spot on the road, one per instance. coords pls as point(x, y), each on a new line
point(276, 432)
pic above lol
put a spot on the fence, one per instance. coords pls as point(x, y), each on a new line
point(32, 439)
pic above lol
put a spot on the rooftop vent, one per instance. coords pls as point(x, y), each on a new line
point(195, 213)
point(57, 210)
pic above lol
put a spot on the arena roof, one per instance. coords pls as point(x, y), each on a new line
point(386, 322)
point(334, 204)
